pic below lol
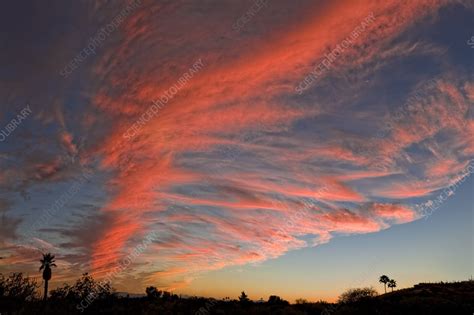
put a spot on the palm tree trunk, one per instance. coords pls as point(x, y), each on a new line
point(45, 290)
point(385, 287)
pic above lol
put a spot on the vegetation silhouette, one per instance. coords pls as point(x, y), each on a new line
point(16, 290)
point(301, 301)
point(384, 279)
point(244, 299)
point(276, 300)
point(87, 296)
point(357, 295)
point(46, 263)
point(153, 293)
point(392, 284)
point(19, 295)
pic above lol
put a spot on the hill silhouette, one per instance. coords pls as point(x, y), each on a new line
point(423, 298)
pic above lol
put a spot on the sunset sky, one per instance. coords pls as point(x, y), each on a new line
point(289, 147)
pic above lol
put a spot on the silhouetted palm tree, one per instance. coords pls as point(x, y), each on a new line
point(384, 279)
point(392, 284)
point(46, 263)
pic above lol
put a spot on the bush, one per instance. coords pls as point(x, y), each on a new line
point(276, 300)
point(16, 291)
point(356, 295)
point(153, 293)
point(17, 287)
point(85, 287)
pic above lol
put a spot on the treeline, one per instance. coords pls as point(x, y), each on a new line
point(20, 295)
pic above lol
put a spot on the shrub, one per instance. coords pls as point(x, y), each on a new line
point(17, 287)
point(356, 295)
point(153, 293)
point(84, 287)
point(276, 300)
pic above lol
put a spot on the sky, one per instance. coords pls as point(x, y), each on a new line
point(296, 148)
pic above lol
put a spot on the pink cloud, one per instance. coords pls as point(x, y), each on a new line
point(67, 142)
point(398, 213)
point(280, 186)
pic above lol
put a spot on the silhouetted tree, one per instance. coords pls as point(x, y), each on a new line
point(17, 287)
point(356, 295)
point(392, 284)
point(153, 293)
point(83, 293)
point(168, 296)
point(384, 279)
point(16, 291)
point(276, 300)
point(46, 263)
point(243, 298)
point(62, 293)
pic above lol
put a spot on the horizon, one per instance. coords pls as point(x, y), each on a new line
point(274, 147)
